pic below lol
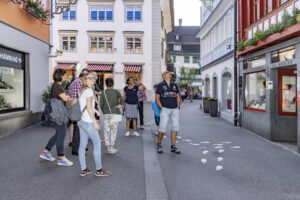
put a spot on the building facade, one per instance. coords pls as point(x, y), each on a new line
point(24, 61)
point(119, 38)
point(269, 67)
point(184, 50)
point(217, 54)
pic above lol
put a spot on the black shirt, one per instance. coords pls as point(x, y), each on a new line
point(168, 94)
point(131, 95)
point(57, 90)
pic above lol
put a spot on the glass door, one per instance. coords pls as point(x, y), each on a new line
point(287, 82)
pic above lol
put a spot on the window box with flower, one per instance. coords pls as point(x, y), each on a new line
point(35, 9)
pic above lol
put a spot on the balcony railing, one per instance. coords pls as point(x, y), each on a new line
point(208, 12)
point(274, 17)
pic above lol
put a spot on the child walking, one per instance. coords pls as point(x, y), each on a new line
point(156, 111)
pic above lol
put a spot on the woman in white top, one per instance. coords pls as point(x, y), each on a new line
point(89, 127)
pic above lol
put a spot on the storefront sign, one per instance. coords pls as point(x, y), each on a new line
point(119, 72)
point(285, 63)
point(269, 85)
point(11, 58)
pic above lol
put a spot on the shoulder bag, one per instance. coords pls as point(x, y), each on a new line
point(75, 112)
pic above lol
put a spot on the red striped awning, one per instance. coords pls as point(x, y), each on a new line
point(133, 68)
point(65, 66)
point(98, 67)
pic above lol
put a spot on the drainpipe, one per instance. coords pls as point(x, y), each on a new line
point(235, 65)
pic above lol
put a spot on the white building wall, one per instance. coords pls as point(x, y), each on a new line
point(218, 71)
point(82, 24)
point(216, 38)
point(180, 63)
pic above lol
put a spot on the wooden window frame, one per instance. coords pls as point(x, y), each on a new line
point(285, 72)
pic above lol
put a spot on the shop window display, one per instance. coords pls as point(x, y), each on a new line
point(255, 91)
point(11, 88)
point(288, 94)
point(283, 54)
point(11, 81)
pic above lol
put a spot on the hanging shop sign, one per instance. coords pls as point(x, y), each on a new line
point(11, 58)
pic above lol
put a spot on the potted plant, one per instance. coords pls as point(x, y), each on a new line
point(35, 9)
point(213, 107)
point(205, 104)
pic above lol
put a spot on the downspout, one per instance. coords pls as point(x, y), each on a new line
point(236, 115)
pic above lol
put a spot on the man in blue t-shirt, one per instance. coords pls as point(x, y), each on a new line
point(168, 99)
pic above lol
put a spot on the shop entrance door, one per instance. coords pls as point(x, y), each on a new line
point(101, 78)
point(285, 126)
point(287, 86)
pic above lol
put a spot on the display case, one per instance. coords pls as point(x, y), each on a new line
point(12, 81)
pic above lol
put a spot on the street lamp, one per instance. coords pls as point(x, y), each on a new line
point(61, 5)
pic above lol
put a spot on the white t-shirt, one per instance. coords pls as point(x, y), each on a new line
point(82, 101)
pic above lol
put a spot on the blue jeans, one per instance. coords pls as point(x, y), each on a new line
point(167, 114)
point(87, 130)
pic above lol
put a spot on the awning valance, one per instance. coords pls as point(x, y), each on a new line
point(65, 66)
point(132, 68)
point(100, 67)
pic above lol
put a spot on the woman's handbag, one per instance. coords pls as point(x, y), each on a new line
point(115, 117)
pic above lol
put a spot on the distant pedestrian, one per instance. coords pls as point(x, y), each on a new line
point(168, 99)
point(89, 127)
point(190, 92)
point(73, 129)
point(182, 94)
point(156, 111)
point(130, 105)
point(142, 97)
point(58, 92)
point(111, 102)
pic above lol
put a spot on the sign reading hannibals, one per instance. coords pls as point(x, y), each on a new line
point(11, 58)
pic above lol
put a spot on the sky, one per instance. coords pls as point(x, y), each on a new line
point(188, 11)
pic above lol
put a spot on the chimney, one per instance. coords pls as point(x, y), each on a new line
point(180, 22)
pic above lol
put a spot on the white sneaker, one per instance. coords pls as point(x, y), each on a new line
point(136, 133)
point(64, 162)
point(127, 133)
point(47, 156)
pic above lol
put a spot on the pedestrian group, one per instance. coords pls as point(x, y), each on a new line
point(85, 96)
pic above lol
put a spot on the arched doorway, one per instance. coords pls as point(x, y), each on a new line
point(215, 87)
point(207, 87)
point(227, 91)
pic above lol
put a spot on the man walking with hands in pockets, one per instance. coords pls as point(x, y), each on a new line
point(167, 97)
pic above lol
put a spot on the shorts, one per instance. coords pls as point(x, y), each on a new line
point(167, 114)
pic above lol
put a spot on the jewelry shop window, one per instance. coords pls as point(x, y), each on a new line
point(255, 91)
point(12, 81)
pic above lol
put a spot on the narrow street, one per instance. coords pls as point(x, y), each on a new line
point(218, 162)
